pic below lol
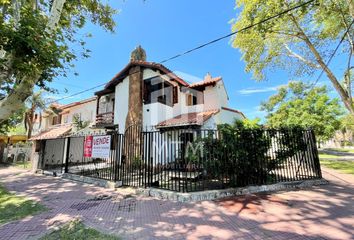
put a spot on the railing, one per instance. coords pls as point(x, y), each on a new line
point(105, 118)
point(188, 160)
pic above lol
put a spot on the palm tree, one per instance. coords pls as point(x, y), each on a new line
point(34, 103)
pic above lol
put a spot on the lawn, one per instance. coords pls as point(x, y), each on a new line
point(14, 207)
point(322, 155)
point(344, 150)
point(24, 165)
point(78, 231)
point(343, 166)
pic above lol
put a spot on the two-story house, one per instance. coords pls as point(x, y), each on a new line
point(149, 94)
point(58, 120)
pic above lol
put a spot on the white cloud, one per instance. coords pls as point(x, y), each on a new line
point(249, 91)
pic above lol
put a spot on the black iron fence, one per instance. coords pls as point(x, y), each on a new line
point(187, 160)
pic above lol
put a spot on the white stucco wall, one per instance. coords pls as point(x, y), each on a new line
point(87, 111)
point(155, 113)
point(226, 116)
point(215, 97)
point(121, 104)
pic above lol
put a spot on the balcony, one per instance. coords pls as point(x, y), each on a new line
point(105, 119)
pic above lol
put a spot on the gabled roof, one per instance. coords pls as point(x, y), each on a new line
point(206, 82)
point(125, 71)
point(74, 104)
point(234, 110)
point(53, 132)
point(194, 118)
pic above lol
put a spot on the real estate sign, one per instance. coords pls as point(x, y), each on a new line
point(97, 146)
point(88, 146)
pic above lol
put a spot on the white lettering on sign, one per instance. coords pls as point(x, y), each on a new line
point(101, 146)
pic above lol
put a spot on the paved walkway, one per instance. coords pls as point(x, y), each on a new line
point(323, 212)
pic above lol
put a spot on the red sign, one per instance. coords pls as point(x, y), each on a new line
point(88, 146)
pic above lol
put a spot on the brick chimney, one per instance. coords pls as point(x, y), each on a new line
point(135, 103)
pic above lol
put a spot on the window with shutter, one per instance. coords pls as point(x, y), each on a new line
point(175, 94)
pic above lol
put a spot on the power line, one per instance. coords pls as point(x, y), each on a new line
point(241, 30)
point(205, 44)
point(332, 55)
point(78, 93)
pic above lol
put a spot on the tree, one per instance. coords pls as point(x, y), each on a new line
point(300, 104)
point(299, 40)
point(35, 40)
point(347, 127)
point(34, 103)
point(14, 120)
point(80, 124)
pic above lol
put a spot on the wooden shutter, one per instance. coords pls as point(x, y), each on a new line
point(146, 92)
point(175, 94)
point(189, 99)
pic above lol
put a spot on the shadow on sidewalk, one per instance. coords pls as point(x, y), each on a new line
point(320, 212)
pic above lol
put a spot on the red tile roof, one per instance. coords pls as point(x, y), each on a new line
point(234, 110)
point(53, 132)
point(194, 118)
point(123, 73)
point(109, 87)
point(77, 103)
point(205, 82)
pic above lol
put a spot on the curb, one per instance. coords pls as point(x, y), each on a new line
point(216, 194)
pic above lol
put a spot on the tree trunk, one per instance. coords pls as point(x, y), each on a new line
point(351, 7)
point(15, 100)
point(348, 102)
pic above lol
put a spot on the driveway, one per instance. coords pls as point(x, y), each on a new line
point(322, 212)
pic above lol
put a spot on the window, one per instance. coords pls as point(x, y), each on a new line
point(56, 120)
point(65, 118)
point(175, 94)
point(161, 99)
point(159, 90)
point(191, 100)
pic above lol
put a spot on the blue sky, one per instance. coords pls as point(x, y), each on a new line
point(165, 28)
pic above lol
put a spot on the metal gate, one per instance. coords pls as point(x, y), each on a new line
point(103, 168)
point(54, 155)
point(134, 167)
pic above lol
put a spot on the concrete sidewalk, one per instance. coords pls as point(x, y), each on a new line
point(322, 212)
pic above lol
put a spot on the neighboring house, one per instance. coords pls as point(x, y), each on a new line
point(149, 94)
point(58, 120)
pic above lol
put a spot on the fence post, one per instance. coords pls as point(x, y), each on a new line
point(67, 158)
point(315, 154)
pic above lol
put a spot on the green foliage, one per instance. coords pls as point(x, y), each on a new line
point(242, 152)
point(14, 207)
point(12, 124)
point(34, 103)
point(343, 166)
point(136, 163)
point(299, 41)
point(300, 104)
point(77, 230)
point(34, 53)
point(263, 46)
point(347, 122)
point(78, 123)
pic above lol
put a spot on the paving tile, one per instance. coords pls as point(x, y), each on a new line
point(322, 212)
